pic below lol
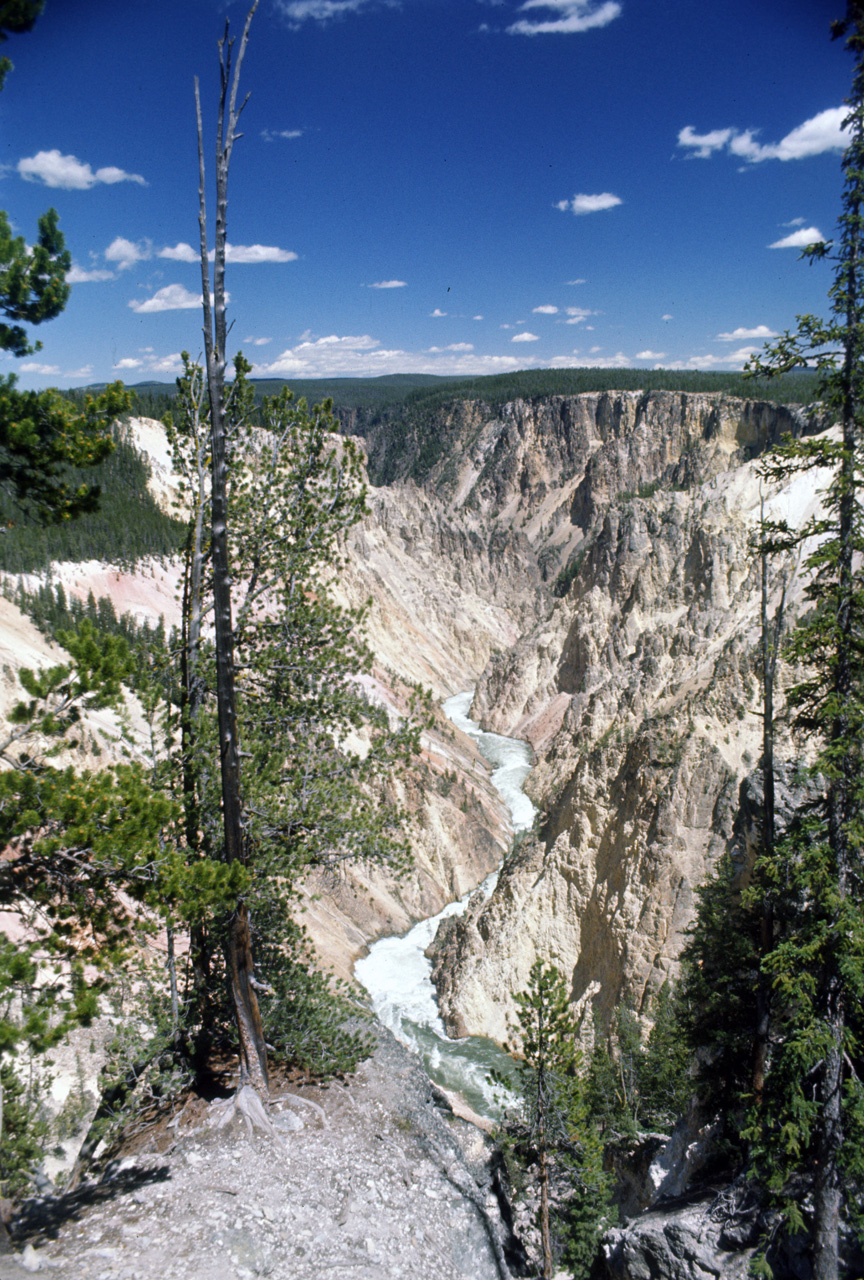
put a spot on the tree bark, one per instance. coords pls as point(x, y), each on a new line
point(239, 958)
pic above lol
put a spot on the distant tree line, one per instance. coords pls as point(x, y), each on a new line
point(127, 524)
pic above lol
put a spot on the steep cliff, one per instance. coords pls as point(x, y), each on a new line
point(639, 691)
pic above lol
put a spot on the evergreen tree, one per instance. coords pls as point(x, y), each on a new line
point(811, 1106)
point(555, 1133)
point(308, 798)
point(41, 435)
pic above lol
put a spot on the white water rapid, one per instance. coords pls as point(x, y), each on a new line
point(396, 972)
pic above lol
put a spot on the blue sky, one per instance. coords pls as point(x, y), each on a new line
point(442, 186)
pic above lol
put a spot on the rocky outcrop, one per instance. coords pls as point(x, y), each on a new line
point(639, 691)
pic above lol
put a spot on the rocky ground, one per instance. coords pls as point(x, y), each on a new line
point(372, 1179)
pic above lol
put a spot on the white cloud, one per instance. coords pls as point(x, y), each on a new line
point(256, 253)
point(589, 204)
point(650, 355)
point(795, 222)
point(742, 335)
point(174, 297)
point(824, 132)
point(525, 337)
point(77, 275)
point(69, 173)
point(299, 11)
point(667, 317)
point(181, 252)
point(546, 310)
point(571, 16)
point(125, 253)
point(166, 364)
point(437, 314)
point(389, 284)
point(703, 145)
point(35, 366)
point(798, 239)
point(454, 346)
point(247, 253)
point(84, 372)
point(363, 356)
point(270, 134)
point(577, 315)
point(476, 317)
point(733, 359)
point(151, 363)
point(579, 281)
point(618, 361)
point(257, 342)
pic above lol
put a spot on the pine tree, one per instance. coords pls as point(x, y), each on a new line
point(555, 1134)
point(813, 1099)
point(308, 798)
point(41, 435)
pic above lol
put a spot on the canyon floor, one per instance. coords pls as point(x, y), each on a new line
point(373, 1178)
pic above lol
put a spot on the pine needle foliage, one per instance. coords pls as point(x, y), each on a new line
point(318, 753)
point(802, 1129)
point(554, 1143)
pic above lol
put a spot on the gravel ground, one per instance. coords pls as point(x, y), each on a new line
point(377, 1179)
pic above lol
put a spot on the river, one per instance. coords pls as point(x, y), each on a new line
point(396, 972)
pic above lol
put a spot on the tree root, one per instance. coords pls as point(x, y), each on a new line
point(246, 1103)
point(307, 1102)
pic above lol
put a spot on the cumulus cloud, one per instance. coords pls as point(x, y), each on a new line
point(126, 253)
point(525, 337)
point(269, 135)
point(453, 346)
point(299, 11)
point(742, 334)
point(256, 253)
point(77, 275)
point(667, 317)
point(546, 310)
point(578, 315)
point(389, 284)
point(257, 342)
point(579, 281)
point(564, 17)
point(589, 204)
point(437, 314)
point(703, 145)
point(650, 355)
point(824, 132)
point(363, 356)
point(181, 252)
point(69, 173)
point(174, 297)
point(798, 239)
point(149, 362)
point(476, 317)
point(617, 361)
point(733, 360)
point(247, 253)
point(35, 366)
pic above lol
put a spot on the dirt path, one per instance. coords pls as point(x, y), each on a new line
point(371, 1181)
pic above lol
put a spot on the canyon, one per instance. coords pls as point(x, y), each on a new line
point(586, 565)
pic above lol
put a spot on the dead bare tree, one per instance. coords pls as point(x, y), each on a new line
point(239, 958)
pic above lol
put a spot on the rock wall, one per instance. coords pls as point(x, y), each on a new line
point(640, 693)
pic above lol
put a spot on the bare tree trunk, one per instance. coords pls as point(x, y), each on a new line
point(770, 646)
point(253, 1052)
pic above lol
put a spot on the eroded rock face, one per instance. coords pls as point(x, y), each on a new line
point(640, 693)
